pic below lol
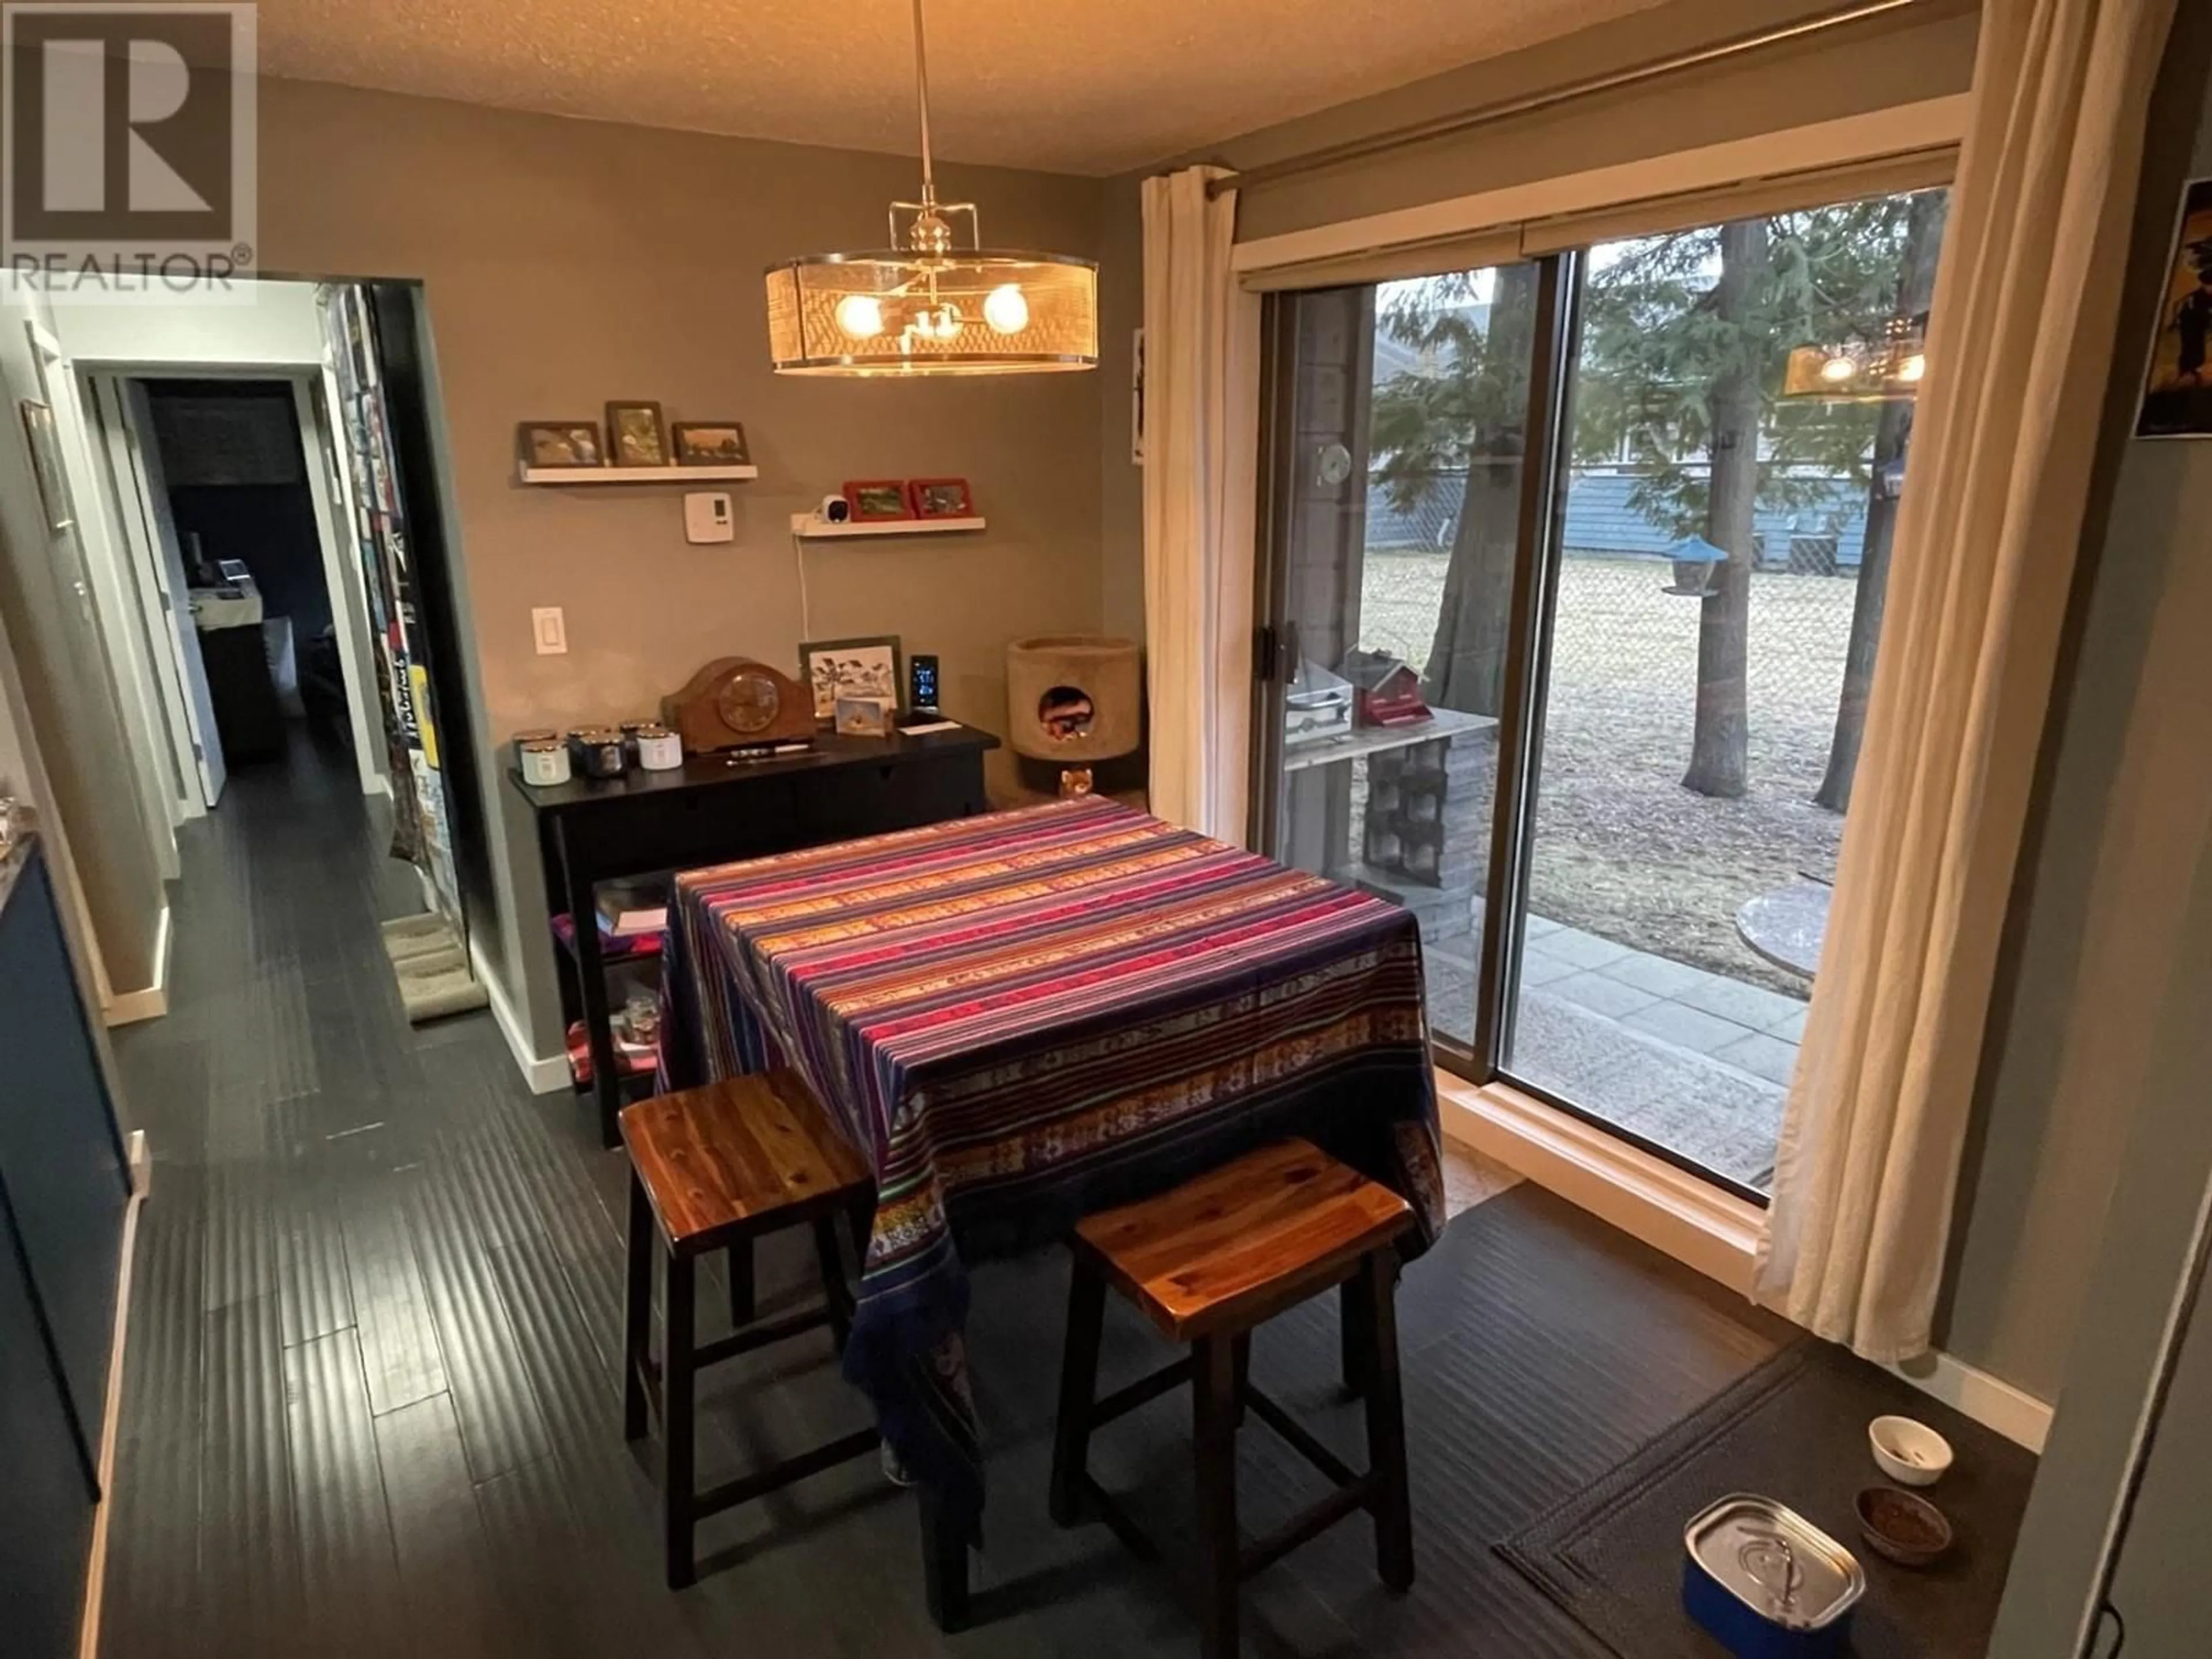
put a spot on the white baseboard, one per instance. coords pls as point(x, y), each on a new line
point(540, 1075)
point(129, 1007)
point(1700, 1225)
point(1992, 1402)
point(95, 1571)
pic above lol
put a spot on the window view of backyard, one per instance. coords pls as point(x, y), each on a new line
point(1741, 408)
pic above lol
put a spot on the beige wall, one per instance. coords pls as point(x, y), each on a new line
point(566, 263)
point(2124, 822)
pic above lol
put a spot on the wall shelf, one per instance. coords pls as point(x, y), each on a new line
point(808, 526)
point(637, 475)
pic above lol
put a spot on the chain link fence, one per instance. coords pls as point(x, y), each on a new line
point(1622, 849)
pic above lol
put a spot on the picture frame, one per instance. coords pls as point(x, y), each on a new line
point(939, 498)
point(863, 717)
point(552, 443)
point(708, 443)
point(871, 667)
point(2176, 398)
point(637, 436)
point(877, 501)
point(46, 463)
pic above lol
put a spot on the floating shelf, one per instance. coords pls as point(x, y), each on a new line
point(637, 475)
point(812, 527)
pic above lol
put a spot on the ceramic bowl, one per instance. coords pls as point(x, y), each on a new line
point(1911, 1453)
point(1903, 1526)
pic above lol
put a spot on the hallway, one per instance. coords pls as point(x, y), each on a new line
point(372, 1407)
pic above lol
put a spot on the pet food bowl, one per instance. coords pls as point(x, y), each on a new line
point(1903, 1526)
point(1911, 1453)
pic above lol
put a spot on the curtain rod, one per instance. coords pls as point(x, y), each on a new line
point(1483, 115)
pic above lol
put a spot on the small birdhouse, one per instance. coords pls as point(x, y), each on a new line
point(1385, 691)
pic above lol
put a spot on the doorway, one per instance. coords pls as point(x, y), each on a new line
point(278, 591)
point(1573, 584)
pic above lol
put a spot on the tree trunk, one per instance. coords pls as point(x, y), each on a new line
point(1916, 287)
point(1466, 668)
point(1718, 742)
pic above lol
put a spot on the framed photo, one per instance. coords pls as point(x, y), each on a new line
point(635, 436)
point(940, 498)
point(877, 500)
point(2177, 400)
point(866, 668)
point(710, 443)
point(46, 462)
point(863, 717)
point(552, 443)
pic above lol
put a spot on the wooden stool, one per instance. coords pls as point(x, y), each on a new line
point(1207, 1262)
point(715, 1169)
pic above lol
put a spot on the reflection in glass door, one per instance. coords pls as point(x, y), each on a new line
point(1575, 571)
point(1399, 467)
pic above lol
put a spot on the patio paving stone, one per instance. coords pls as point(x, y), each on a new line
point(1687, 1028)
point(1654, 974)
point(1583, 950)
point(1762, 1055)
point(1610, 997)
point(1751, 1006)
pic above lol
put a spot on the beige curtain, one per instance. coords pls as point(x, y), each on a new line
point(1201, 454)
point(2020, 348)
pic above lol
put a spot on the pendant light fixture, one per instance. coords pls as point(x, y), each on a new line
point(925, 306)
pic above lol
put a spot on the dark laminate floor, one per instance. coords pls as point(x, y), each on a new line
point(372, 1406)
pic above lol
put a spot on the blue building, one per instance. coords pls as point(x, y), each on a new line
point(1823, 536)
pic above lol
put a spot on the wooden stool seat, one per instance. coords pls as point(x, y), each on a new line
point(718, 1161)
point(1207, 1262)
point(715, 1167)
point(1235, 1247)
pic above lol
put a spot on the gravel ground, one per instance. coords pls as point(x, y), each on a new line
point(1622, 849)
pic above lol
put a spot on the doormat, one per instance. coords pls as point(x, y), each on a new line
point(1796, 1430)
point(432, 966)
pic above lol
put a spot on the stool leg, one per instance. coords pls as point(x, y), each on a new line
point(1241, 1352)
point(1355, 1329)
point(1386, 1424)
point(679, 1486)
point(739, 1264)
point(1214, 1391)
point(831, 1261)
point(637, 1313)
point(1079, 1389)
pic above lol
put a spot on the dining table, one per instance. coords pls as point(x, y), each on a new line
point(1022, 1018)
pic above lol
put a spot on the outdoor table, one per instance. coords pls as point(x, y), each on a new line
point(1788, 926)
point(1023, 1017)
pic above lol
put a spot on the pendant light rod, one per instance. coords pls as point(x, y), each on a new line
point(921, 98)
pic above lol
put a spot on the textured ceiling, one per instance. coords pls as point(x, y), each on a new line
point(1073, 86)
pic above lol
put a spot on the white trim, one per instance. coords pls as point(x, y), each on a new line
point(540, 1076)
point(1646, 1197)
point(1993, 1403)
point(95, 1571)
point(1692, 1220)
point(129, 1007)
point(1901, 131)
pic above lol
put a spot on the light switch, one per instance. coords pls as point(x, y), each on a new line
point(707, 517)
point(551, 630)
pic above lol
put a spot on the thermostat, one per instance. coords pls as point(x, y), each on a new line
point(707, 517)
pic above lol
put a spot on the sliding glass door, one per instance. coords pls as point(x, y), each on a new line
point(1575, 587)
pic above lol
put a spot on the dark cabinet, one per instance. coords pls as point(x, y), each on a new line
point(64, 1189)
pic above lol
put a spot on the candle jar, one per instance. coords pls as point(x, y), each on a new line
point(658, 749)
point(544, 761)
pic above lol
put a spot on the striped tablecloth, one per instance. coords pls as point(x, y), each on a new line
point(1023, 1018)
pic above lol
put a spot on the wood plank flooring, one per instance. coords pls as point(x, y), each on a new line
point(372, 1404)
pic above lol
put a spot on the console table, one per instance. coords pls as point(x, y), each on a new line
point(716, 809)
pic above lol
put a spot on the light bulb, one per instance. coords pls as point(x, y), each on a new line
point(1912, 368)
point(1839, 368)
point(1006, 309)
point(861, 316)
